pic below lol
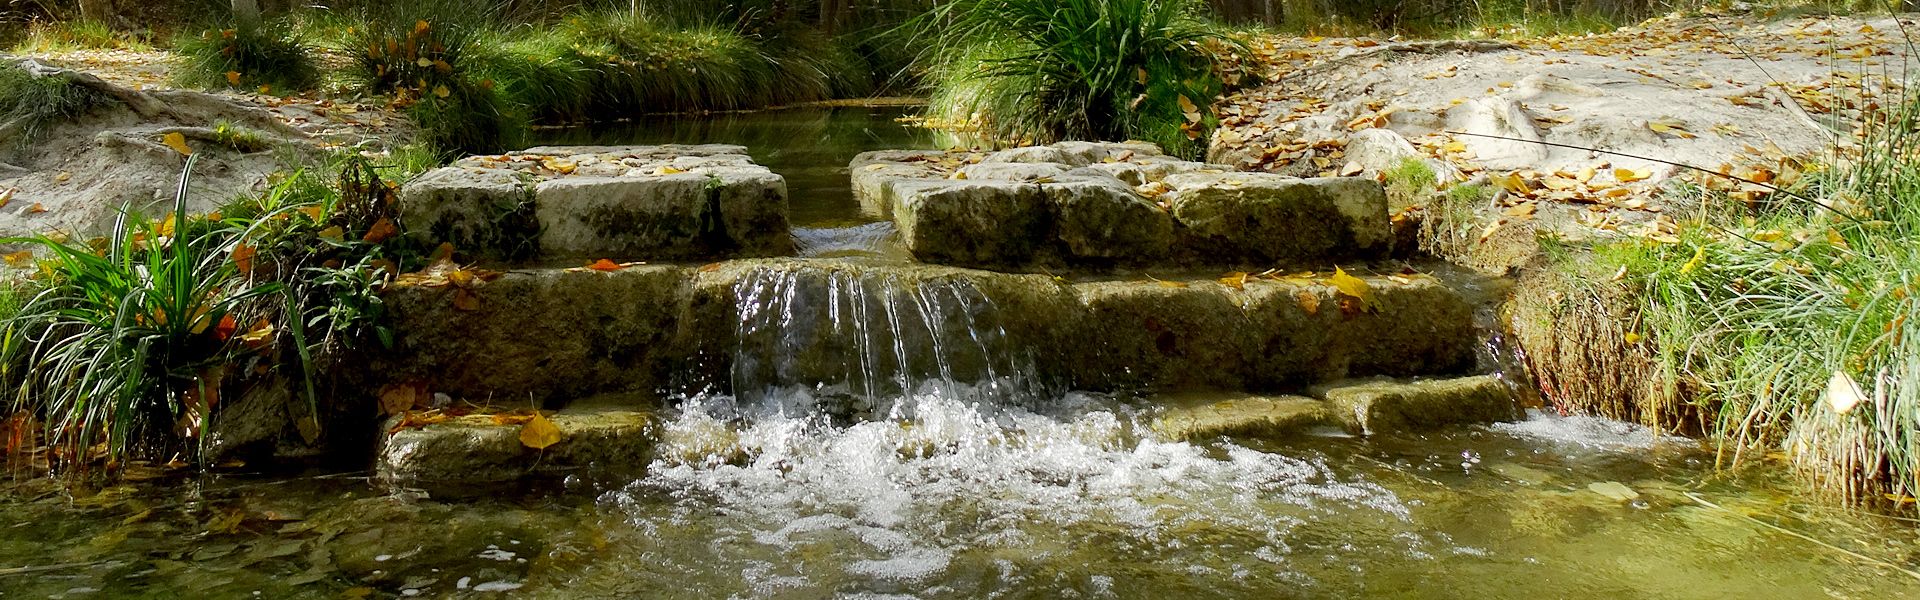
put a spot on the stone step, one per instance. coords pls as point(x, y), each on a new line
point(1363, 406)
point(1104, 204)
point(591, 202)
point(596, 439)
point(551, 334)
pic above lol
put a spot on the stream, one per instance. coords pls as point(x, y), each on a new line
point(957, 473)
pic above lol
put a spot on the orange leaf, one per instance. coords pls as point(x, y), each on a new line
point(225, 329)
point(243, 258)
point(380, 231)
point(397, 399)
point(605, 266)
point(539, 433)
point(19, 259)
point(233, 78)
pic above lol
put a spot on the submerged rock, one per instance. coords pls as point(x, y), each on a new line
point(1204, 417)
point(473, 449)
point(1388, 405)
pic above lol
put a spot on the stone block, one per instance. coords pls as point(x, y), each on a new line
point(1269, 218)
point(473, 449)
point(484, 212)
point(1388, 405)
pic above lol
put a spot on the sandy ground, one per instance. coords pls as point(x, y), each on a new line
point(1739, 94)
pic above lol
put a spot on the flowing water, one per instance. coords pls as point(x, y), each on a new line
point(884, 438)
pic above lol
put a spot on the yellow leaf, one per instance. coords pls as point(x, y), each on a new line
point(1632, 175)
point(668, 171)
point(442, 91)
point(7, 196)
point(1236, 280)
point(233, 78)
point(266, 89)
point(423, 63)
point(1633, 338)
point(177, 142)
point(334, 233)
point(1353, 287)
point(19, 259)
point(1843, 393)
point(1699, 258)
point(539, 433)
point(1187, 106)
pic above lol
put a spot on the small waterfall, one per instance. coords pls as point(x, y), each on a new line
point(851, 343)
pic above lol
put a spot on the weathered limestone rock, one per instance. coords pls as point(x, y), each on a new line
point(1198, 418)
point(646, 202)
point(558, 334)
point(472, 449)
point(1272, 218)
point(541, 335)
point(1107, 219)
point(1114, 205)
point(971, 223)
point(1388, 405)
point(486, 212)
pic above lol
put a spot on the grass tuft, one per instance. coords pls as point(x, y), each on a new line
point(268, 58)
point(1045, 70)
point(29, 105)
point(77, 34)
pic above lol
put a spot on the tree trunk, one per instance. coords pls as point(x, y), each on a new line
point(246, 13)
point(98, 11)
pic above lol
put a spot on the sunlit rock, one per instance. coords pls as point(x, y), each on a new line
point(476, 449)
point(1388, 405)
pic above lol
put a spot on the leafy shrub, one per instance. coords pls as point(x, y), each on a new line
point(269, 57)
point(1041, 70)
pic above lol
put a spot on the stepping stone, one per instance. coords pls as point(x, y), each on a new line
point(1202, 417)
point(1393, 405)
point(474, 449)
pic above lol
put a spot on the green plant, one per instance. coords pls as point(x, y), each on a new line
point(269, 57)
point(1410, 182)
point(1800, 327)
point(29, 104)
point(1043, 70)
point(429, 55)
point(130, 338)
point(77, 34)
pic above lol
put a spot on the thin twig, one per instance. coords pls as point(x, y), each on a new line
point(1910, 572)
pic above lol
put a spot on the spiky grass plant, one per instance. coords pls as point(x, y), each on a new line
point(1044, 70)
point(29, 104)
point(429, 55)
point(77, 34)
point(268, 57)
point(126, 345)
point(1800, 329)
point(643, 65)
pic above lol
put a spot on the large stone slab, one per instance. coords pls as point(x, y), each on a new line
point(549, 335)
point(1273, 218)
point(474, 449)
point(1108, 205)
point(640, 202)
point(1199, 418)
point(486, 212)
point(1389, 405)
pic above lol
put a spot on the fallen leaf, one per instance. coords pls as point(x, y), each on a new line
point(381, 231)
point(62, 177)
point(539, 433)
point(441, 91)
point(1236, 280)
point(1353, 287)
point(334, 233)
point(1843, 393)
point(7, 196)
point(177, 142)
point(1633, 338)
point(1632, 175)
point(233, 78)
point(1693, 264)
point(243, 258)
point(1309, 302)
point(37, 208)
point(22, 258)
point(396, 399)
point(605, 266)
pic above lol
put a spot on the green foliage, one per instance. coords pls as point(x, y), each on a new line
point(268, 57)
point(29, 105)
point(1045, 70)
point(430, 56)
point(240, 139)
point(1410, 182)
point(1761, 314)
point(130, 339)
point(77, 34)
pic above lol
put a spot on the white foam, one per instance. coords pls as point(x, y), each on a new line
point(895, 494)
point(1588, 432)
